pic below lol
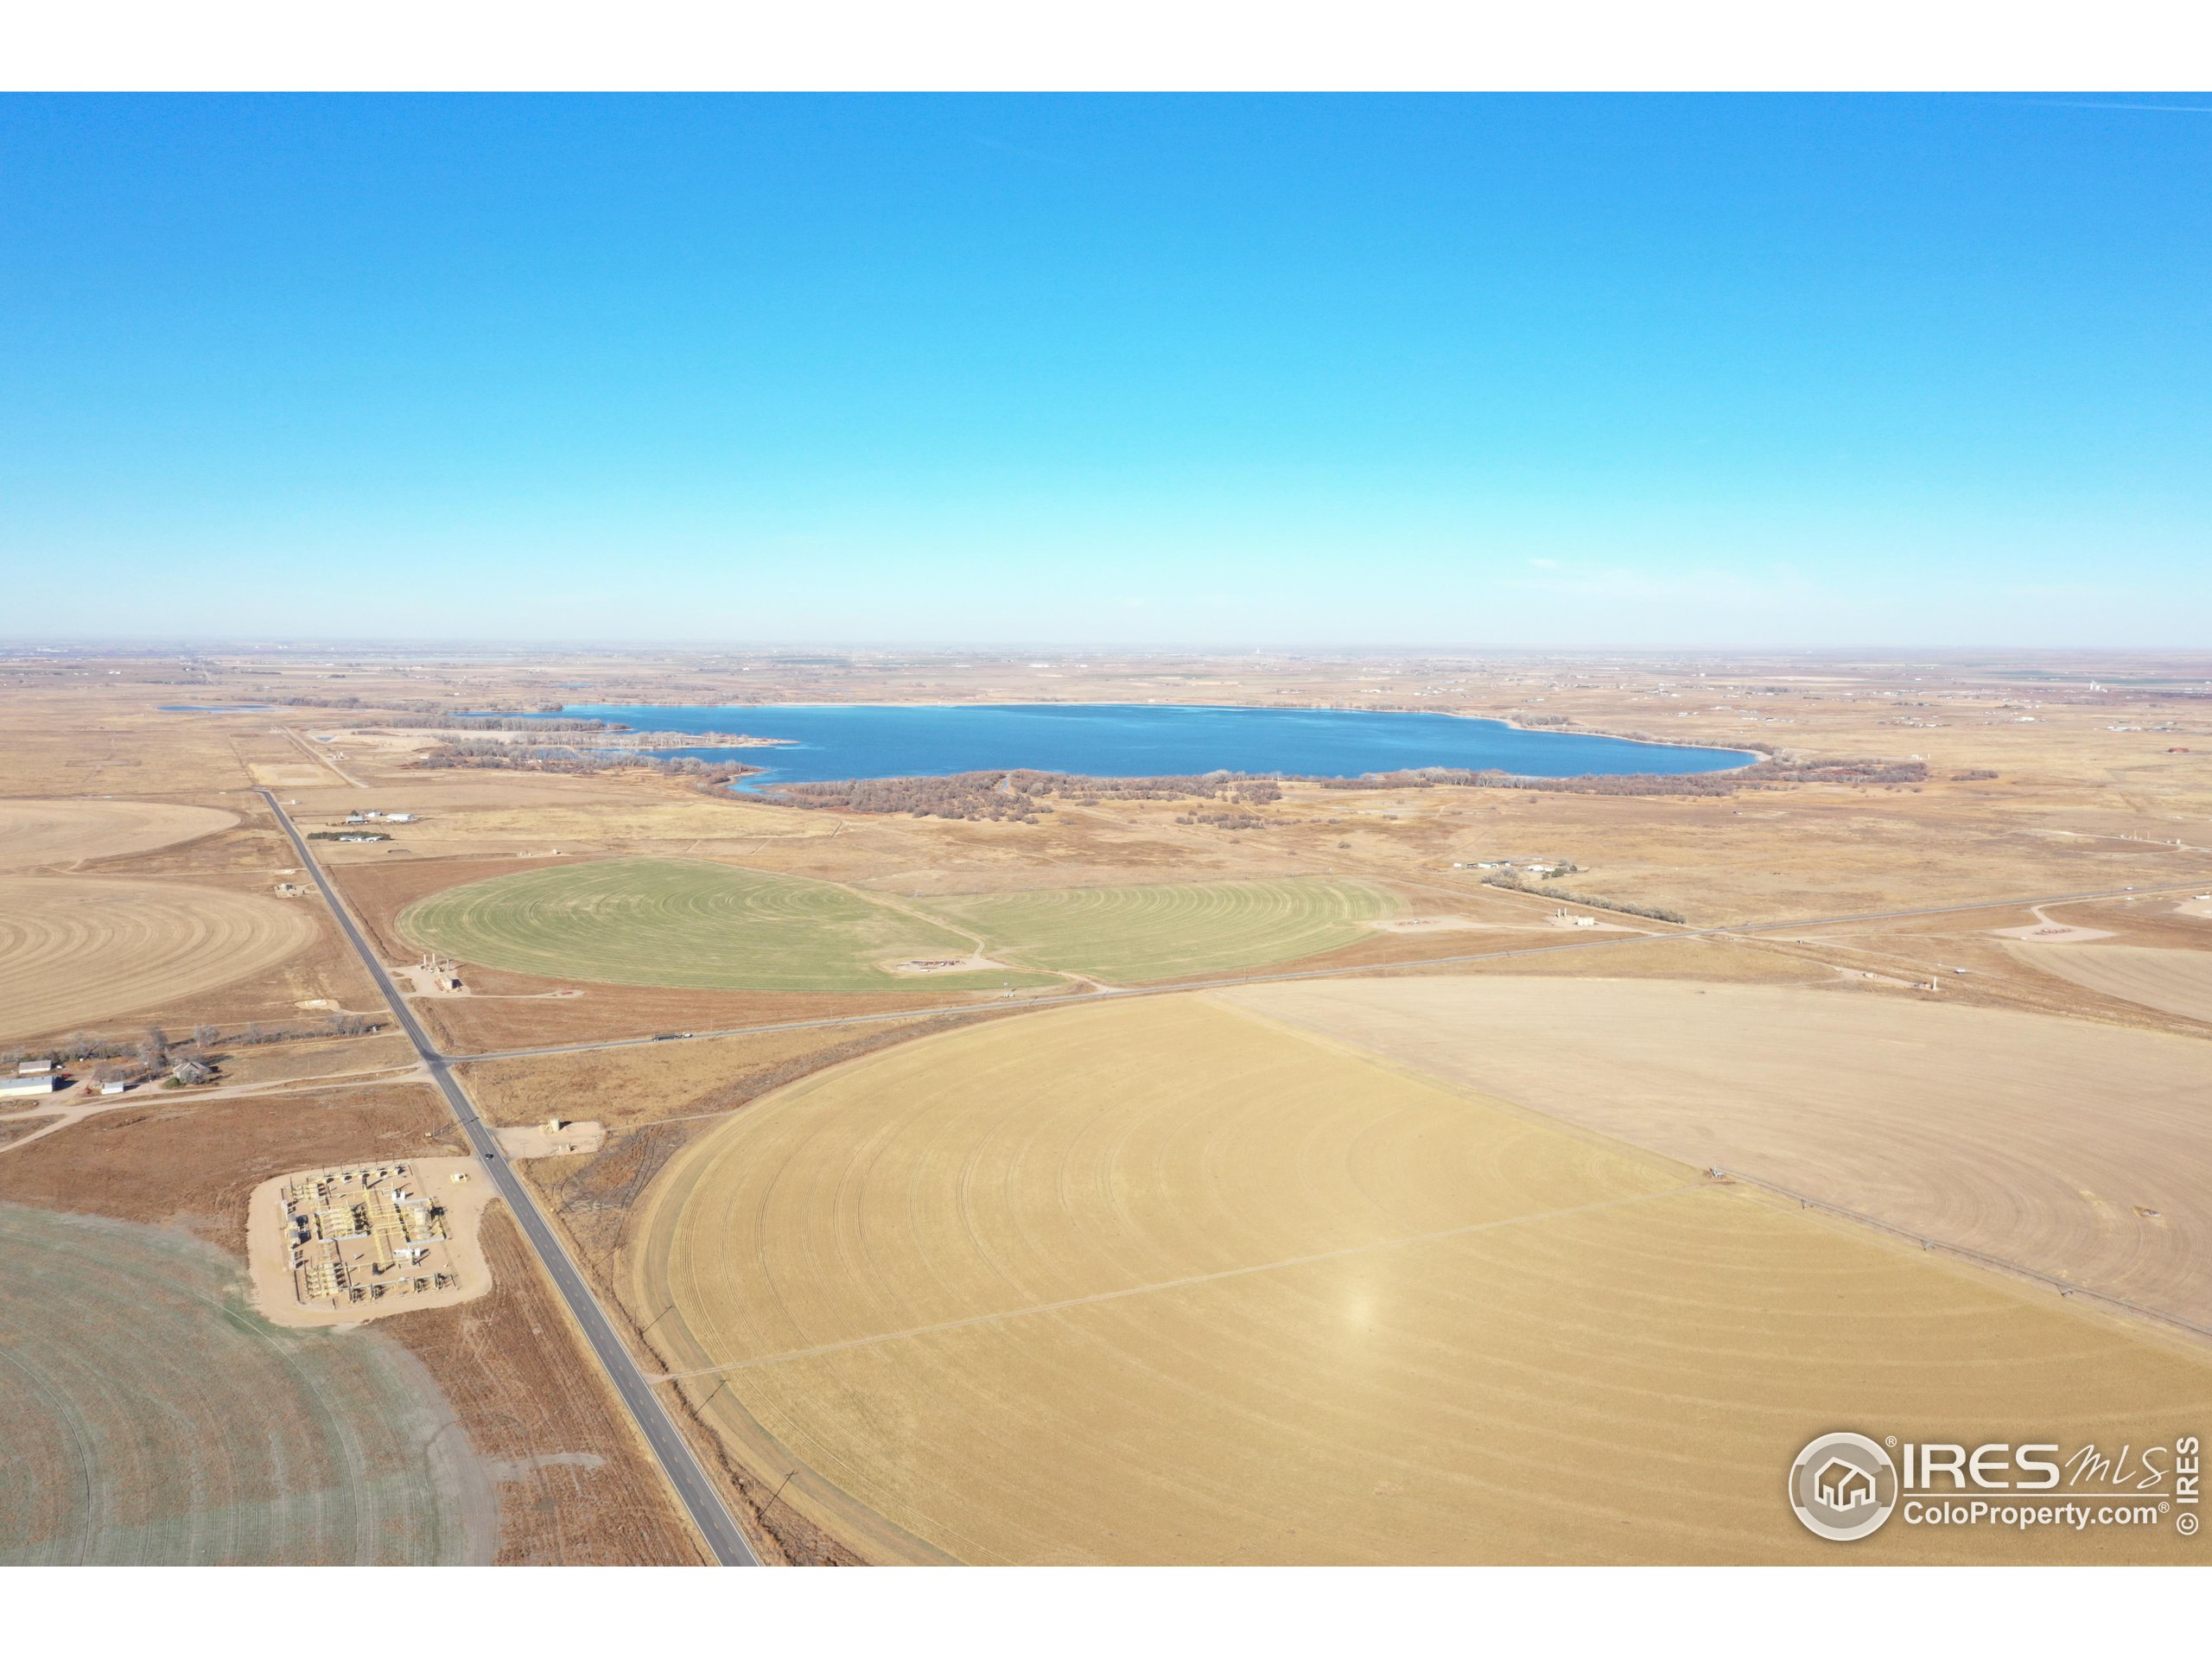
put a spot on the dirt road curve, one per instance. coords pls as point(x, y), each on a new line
point(707, 1511)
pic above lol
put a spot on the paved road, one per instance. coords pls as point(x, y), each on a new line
point(709, 1513)
point(1065, 999)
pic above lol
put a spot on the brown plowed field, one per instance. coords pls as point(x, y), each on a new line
point(74, 949)
point(69, 832)
point(2172, 982)
point(2082, 1151)
point(1159, 1282)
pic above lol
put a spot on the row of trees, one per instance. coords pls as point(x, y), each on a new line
point(1764, 774)
point(154, 1048)
point(491, 755)
point(402, 705)
point(1514, 884)
point(498, 723)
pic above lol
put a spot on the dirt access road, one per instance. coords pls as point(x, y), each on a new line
point(1355, 971)
point(707, 1511)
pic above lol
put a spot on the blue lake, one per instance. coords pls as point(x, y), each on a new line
point(842, 741)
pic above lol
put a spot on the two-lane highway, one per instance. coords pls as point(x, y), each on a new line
point(709, 1513)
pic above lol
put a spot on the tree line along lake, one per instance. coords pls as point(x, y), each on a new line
point(835, 742)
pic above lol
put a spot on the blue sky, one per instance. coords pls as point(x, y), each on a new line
point(1244, 370)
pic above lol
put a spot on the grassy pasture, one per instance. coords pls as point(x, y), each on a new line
point(1134, 935)
point(153, 1419)
point(689, 924)
point(1159, 1281)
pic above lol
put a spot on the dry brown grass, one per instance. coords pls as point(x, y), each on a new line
point(173, 1161)
point(623, 1087)
point(1157, 1282)
point(575, 1487)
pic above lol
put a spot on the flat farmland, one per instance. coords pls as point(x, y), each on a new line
point(571, 1481)
point(2078, 1150)
point(75, 949)
point(1170, 931)
point(1159, 1281)
point(69, 832)
point(688, 924)
point(154, 1420)
point(2172, 982)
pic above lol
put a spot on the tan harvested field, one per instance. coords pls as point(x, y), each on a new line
point(74, 949)
point(1161, 1282)
point(2099, 790)
point(2172, 982)
point(2077, 1150)
point(33, 832)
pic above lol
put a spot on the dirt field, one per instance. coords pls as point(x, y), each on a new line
point(2173, 982)
point(575, 1487)
point(75, 950)
point(68, 833)
point(153, 1419)
point(2078, 1150)
point(571, 1483)
point(1161, 1283)
point(1132, 935)
point(689, 924)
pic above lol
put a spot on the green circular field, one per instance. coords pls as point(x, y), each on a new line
point(687, 925)
point(1132, 935)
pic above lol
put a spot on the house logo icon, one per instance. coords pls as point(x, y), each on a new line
point(1843, 1486)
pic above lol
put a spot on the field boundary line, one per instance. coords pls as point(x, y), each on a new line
point(1367, 969)
point(1966, 1252)
point(1179, 1284)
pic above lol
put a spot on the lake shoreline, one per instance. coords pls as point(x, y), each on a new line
point(823, 743)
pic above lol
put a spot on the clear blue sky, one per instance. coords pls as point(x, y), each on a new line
point(1152, 370)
